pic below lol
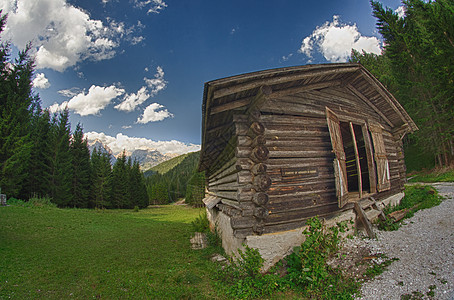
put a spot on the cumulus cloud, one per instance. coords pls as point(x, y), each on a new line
point(133, 100)
point(400, 11)
point(90, 103)
point(335, 41)
point(123, 142)
point(62, 34)
point(153, 113)
point(153, 6)
point(41, 82)
point(157, 83)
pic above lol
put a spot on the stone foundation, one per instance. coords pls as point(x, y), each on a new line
point(275, 246)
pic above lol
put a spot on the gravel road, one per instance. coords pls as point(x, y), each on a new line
point(425, 249)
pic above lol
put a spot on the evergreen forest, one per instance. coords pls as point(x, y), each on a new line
point(417, 67)
point(41, 157)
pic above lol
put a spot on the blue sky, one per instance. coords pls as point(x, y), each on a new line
point(132, 71)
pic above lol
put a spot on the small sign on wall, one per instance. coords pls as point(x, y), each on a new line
point(307, 172)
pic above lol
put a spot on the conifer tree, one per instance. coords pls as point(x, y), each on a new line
point(62, 170)
point(420, 49)
point(80, 158)
point(15, 101)
point(39, 179)
point(120, 182)
point(101, 172)
point(137, 188)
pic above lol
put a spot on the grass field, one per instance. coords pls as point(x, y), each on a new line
point(50, 253)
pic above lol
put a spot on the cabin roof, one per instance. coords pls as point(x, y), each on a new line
point(222, 97)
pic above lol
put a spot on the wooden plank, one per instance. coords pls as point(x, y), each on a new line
point(222, 92)
point(363, 98)
point(362, 216)
point(358, 165)
point(306, 87)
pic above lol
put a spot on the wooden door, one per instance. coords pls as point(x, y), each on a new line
point(340, 168)
point(381, 160)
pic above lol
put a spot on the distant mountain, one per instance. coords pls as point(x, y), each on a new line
point(147, 158)
point(167, 165)
point(99, 146)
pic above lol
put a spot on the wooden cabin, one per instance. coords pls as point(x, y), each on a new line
point(283, 145)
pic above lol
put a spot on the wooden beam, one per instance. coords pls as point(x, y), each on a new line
point(230, 105)
point(368, 102)
point(358, 165)
point(381, 90)
point(362, 216)
point(308, 87)
point(280, 79)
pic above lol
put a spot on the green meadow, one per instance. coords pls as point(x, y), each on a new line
point(51, 253)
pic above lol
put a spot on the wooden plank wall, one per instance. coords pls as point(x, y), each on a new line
point(277, 169)
point(298, 139)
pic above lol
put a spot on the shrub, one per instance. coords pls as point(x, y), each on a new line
point(308, 270)
point(201, 223)
point(246, 280)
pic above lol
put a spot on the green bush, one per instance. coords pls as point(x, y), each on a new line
point(32, 202)
point(41, 202)
point(201, 223)
point(246, 280)
point(308, 270)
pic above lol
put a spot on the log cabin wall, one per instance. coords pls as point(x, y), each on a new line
point(267, 151)
point(300, 163)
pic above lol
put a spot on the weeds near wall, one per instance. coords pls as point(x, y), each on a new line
point(247, 282)
point(307, 273)
point(308, 270)
point(417, 197)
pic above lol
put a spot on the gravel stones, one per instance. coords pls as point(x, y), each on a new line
point(425, 249)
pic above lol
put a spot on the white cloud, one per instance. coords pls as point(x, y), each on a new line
point(126, 126)
point(287, 57)
point(157, 83)
point(69, 93)
point(400, 11)
point(91, 103)
point(154, 6)
point(133, 100)
point(153, 113)
point(62, 34)
point(336, 40)
point(41, 82)
point(123, 142)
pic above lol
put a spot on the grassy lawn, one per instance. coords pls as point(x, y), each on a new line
point(52, 253)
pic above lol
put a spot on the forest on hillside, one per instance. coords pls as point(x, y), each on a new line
point(40, 157)
point(417, 67)
point(180, 181)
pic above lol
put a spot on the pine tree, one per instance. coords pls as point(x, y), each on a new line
point(420, 48)
point(39, 179)
point(15, 100)
point(137, 188)
point(120, 183)
point(101, 173)
point(61, 161)
point(80, 158)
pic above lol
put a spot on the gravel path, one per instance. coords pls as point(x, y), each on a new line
point(425, 249)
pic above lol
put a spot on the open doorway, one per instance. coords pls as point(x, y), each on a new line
point(356, 159)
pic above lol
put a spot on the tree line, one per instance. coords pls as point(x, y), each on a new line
point(182, 181)
point(41, 157)
point(417, 66)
